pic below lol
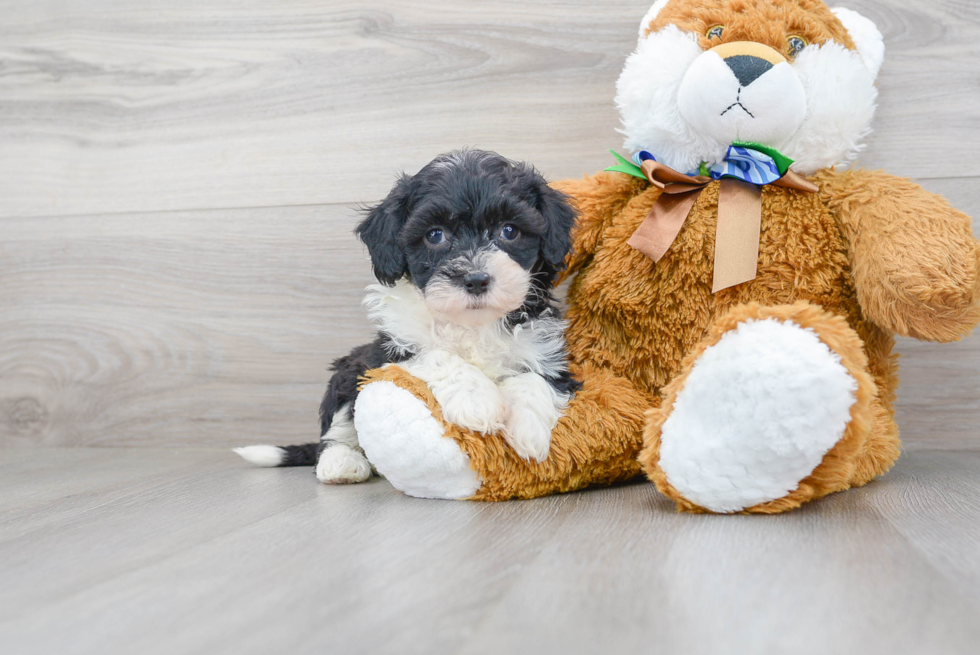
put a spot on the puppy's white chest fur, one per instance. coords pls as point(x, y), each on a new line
point(497, 350)
point(488, 378)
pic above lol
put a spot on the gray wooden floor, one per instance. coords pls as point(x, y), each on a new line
point(187, 551)
point(178, 183)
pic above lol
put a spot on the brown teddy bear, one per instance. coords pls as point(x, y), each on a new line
point(734, 291)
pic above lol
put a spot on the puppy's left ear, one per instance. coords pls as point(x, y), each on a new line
point(380, 232)
point(557, 211)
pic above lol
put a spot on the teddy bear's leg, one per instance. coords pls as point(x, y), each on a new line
point(405, 443)
point(774, 408)
point(882, 447)
point(402, 431)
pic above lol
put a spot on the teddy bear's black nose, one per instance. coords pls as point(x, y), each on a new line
point(476, 283)
point(748, 68)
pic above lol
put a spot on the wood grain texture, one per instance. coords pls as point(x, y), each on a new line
point(137, 106)
point(139, 550)
point(215, 327)
point(208, 328)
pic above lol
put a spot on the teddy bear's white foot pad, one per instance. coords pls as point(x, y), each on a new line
point(757, 413)
point(406, 444)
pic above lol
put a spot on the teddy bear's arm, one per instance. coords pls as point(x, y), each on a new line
point(597, 198)
point(915, 261)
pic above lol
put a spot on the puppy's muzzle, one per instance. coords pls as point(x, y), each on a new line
point(477, 283)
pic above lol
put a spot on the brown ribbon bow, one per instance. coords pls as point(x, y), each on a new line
point(739, 219)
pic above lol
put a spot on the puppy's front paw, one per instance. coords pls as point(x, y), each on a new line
point(535, 408)
point(340, 464)
point(474, 403)
point(528, 433)
point(468, 398)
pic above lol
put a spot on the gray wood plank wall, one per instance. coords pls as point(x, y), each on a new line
point(178, 182)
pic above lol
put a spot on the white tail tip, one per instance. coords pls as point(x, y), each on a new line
point(267, 456)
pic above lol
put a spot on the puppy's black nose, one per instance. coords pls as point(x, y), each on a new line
point(476, 283)
point(748, 68)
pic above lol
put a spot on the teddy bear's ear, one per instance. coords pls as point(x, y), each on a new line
point(866, 36)
point(651, 15)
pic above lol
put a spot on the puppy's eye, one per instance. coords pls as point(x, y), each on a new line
point(435, 236)
point(509, 232)
point(796, 45)
point(715, 32)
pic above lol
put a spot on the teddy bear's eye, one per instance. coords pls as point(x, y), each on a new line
point(796, 45)
point(715, 32)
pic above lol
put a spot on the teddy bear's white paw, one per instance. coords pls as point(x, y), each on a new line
point(407, 444)
point(756, 416)
point(534, 410)
point(341, 464)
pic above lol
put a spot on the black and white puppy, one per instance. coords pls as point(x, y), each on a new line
point(466, 252)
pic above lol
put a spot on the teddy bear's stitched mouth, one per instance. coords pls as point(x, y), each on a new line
point(738, 103)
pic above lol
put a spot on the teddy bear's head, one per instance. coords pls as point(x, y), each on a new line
point(792, 75)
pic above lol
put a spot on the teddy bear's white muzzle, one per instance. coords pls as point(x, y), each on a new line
point(747, 94)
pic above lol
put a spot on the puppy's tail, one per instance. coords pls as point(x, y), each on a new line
point(272, 456)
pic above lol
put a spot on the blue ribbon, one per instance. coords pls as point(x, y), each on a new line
point(740, 163)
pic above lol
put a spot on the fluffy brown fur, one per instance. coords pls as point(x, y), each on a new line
point(864, 236)
point(915, 276)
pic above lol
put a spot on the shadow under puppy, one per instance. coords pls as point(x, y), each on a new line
point(466, 251)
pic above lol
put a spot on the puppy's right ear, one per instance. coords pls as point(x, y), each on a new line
point(380, 232)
